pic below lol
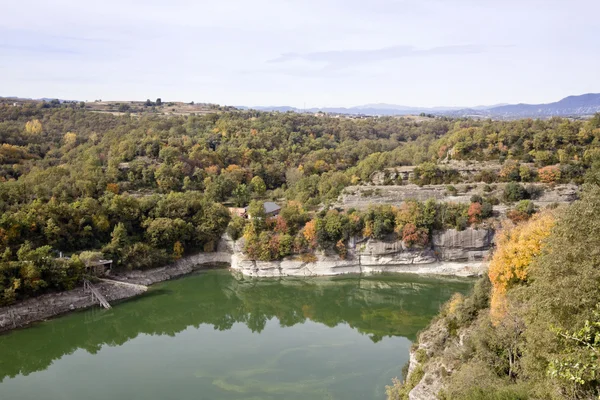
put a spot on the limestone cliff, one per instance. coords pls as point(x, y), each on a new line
point(451, 252)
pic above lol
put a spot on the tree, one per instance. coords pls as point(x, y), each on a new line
point(411, 235)
point(158, 102)
point(516, 249)
point(119, 237)
point(33, 127)
point(178, 250)
point(549, 174)
point(514, 192)
point(241, 195)
point(90, 256)
point(236, 227)
point(257, 185)
point(164, 232)
point(563, 298)
point(310, 233)
point(475, 212)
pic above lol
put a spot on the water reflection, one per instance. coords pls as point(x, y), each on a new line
point(378, 306)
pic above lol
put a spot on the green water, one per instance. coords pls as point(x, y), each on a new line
point(216, 336)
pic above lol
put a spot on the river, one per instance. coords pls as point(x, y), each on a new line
point(218, 336)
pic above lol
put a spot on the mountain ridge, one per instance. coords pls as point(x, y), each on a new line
point(574, 105)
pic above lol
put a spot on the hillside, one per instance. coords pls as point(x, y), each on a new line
point(531, 327)
point(143, 188)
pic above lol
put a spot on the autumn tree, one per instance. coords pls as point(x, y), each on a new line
point(516, 249)
point(549, 174)
point(33, 127)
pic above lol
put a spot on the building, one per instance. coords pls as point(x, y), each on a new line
point(98, 268)
point(271, 209)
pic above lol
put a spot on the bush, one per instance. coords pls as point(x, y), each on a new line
point(534, 191)
point(476, 199)
point(514, 192)
point(400, 390)
point(549, 174)
point(487, 210)
point(236, 227)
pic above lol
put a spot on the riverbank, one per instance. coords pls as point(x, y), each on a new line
point(453, 254)
point(54, 304)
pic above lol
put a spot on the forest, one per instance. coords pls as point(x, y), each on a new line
point(146, 189)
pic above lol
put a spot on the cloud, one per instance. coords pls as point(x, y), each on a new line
point(346, 58)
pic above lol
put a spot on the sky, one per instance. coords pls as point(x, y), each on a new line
point(303, 53)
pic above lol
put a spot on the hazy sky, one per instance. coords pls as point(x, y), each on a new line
point(296, 52)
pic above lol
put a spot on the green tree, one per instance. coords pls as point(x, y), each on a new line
point(257, 185)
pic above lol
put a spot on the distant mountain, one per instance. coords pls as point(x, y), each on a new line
point(368, 109)
point(572, 106)
point(585, 104)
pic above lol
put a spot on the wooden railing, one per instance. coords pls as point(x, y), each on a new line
point(87, 286)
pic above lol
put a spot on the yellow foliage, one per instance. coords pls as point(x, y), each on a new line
point(70, 138)
point(454, 303)
point(178, 250)
point(33, 127)
point(368, 230)
point(516, 249)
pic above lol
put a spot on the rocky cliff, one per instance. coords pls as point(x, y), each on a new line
point(451, 252)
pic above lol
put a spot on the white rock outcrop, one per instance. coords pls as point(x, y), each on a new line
point(460, 253)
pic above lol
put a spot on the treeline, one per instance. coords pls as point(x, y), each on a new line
point(430, 173)
point(136, 233)
point(531, 329)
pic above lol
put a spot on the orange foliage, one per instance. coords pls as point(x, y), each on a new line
point(310, 233)
point(509, 168)
point(212, 170)
point(549, 174)
point(280, 224)
point(112, 187)
point(516, 249)
point(442, 151)
point(412, 235)
point(341, 249)
point(474, 213)
point(517, 216)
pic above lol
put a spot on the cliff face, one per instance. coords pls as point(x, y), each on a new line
point(451, 252)
point(362, 197)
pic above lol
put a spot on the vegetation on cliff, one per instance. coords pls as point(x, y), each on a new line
point(531, 330)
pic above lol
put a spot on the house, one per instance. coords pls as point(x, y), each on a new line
point(98, 268)
point(271, 209)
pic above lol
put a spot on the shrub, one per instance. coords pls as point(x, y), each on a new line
point(474, 213)
point(549, 174)
point(411, 235)
point(476, 199)
point(514, 192)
